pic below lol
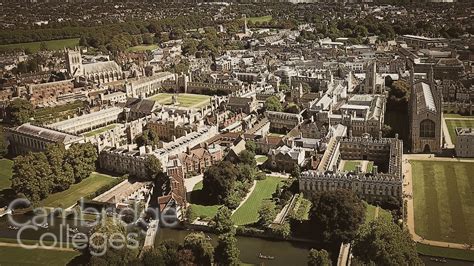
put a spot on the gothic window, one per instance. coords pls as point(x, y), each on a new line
point(427, 129)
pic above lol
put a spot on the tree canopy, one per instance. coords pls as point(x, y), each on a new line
point(382, 242)
point(273, 104)
point(219, 181)
point(338, 214)
point(223, 221)
point(19, 111)
point(319, 258)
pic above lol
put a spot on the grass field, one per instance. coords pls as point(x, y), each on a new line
point(141, 48)
point(5, 173)
point(67, 198)
point(261, 158)
point(371, 212)
point(202, 209)
point(453, 124)
point(99, 130)
point(248, 212)
point(445, 252)
point(351, 165)
point(52, 114)
point(260, 19)
point(20, 256)
point(444, 200)
point(184, 100)
point(35, 46)
point(457, 116)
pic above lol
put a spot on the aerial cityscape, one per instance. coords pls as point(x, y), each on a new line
point(237, 132)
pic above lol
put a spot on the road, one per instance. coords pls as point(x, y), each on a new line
point(408, 190)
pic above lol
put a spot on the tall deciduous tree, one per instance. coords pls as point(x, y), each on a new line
point(219, 181)
point(319, 258)
point(82, 157)
point(227, 252)
point(154, 169)
point(19, 111)
point(266, 213)
point(32, 176)
point(384, 243)
point(223, 221)
point(273, 104)
point(201, 248)
point(338, 214)
point(62, 173)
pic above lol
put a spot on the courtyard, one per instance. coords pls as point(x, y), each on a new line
point(184, 99)
point(458, 122)
point(443, 194)
point(351, 165)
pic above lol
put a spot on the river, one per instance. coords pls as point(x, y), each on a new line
point(285, 252)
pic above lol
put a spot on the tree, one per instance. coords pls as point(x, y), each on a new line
point(62, 173)
point(273, 104)
point(251, 146)
point(227, 252)
point(152, 257)
point(32, 176)
point(223, 221)
point(267, 214)
point(112, 229)
point(82, 157)
point(169, 250)
point(248, 158)
point(201, 248)
point(148, 137)
point(319, 258)
point(338, 214)
point(3, 143)
point(19, 111)
point(219, 181)
point(382, 242)
point(154, 170)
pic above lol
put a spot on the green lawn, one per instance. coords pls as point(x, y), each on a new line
point(370, 166)
point(452, 253)
point(351, 165)
point(99, 130)
point(382, 213)
point(457, 116)
point(141, 48)
point(453, 124)
point(201, 209)
point(70, 196)
point(20, 256)
point(5, 173)
point(248, 212)
point(261, 159)
point(184, 99)
point(444, 200)
point(260, 19)
point(35, 46)
point(62, 112)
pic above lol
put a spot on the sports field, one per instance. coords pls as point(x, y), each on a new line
point(67, 198)
point(35, 46)
point(248, 212)
point(184, 99)
point(454, 123)
point(443, 194)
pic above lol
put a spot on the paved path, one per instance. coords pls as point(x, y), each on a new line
point(246, 197)
point(459, 118)
point(447, 137)
point(189, 183)
point(408, 190)
point(376, 214)
point(279, 175)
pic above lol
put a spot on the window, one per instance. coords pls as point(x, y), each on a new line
point(427, 129)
